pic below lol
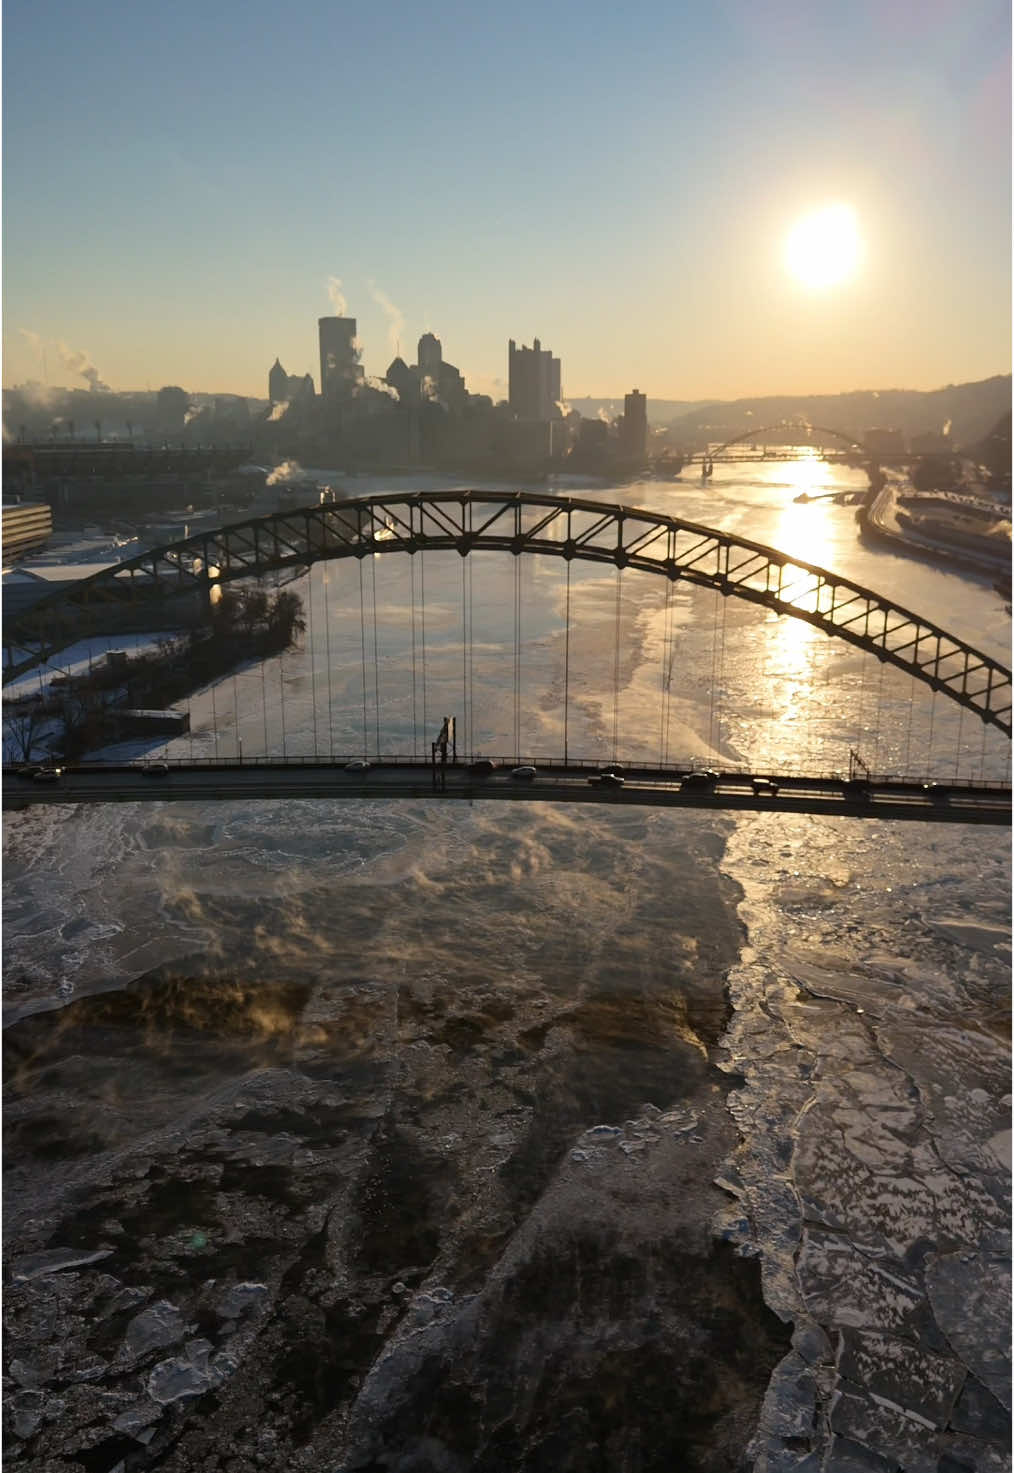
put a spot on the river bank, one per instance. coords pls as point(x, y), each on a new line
point(878, 521)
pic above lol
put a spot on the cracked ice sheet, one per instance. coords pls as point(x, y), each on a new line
point(896, 1122)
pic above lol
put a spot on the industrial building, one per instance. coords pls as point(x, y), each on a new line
point(27, 526)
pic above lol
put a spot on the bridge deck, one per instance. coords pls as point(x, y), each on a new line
point(882, 798)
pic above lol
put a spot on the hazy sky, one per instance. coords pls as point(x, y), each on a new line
point(182, 180)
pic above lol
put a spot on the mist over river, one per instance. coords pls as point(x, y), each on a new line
point(379, 1135)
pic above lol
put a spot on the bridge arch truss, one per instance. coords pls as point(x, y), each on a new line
point(847, 441)
point(467, 521)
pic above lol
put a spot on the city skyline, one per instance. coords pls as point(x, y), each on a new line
point(623, 187)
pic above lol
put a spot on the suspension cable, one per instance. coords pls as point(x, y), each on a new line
point(517, 657)
point(982, 755)
point(864, 664)
point(415, 721)
point(876, 729)
point(908, 733)
point(721, 679)
point(313, 662)
point(566, 672)
point(235, 716)
point(327, 655)
point(362, 641)
point(471, 661)
point(281, 684)
point(714, 669)
point(264, 702)
point(664, 679)
point(929, 746)
point(957, 745)
point(422, 581)
point(616, 659)
point(214, 717)
point(376, 661)
point(464, 657)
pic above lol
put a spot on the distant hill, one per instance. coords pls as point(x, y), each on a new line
point(972, 410)
point(660, 411)
point(969, 410)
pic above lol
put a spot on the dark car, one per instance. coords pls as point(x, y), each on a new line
point(705, 779)
point(856, 787)
point(482, 766)
point(47, 774)
point(156, 769)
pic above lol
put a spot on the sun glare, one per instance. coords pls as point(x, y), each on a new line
point(823, 248)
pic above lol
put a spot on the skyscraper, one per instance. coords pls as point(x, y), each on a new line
point(533, 377)
point(634, 435)
point(278, 383)
point(339, 366)
point(431, 355)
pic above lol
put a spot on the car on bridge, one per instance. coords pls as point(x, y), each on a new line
point(482, 766)
point(523, 774)
point(358, 764)
point(607, 780)
point(705, 779)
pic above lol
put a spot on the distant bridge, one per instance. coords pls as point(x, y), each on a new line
point(469, 521)
point(49, 460)
point(848, 442)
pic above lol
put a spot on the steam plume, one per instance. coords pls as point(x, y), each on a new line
point(395, 316)
point(80, 363)
point(289, 470)
point(382, 387)
point(278, 410)
point(334, 291)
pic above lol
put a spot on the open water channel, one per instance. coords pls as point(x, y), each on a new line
point(408, 1136)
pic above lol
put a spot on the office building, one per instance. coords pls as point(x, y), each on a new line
point(533, 379)
point(278, 383)
point(340, 370)
point(431, 355)
point(288, 388)
point(634, 430)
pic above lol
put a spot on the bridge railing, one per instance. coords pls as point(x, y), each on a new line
point(661, 772)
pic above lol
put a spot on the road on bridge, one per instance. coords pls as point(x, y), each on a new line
point(830, 796)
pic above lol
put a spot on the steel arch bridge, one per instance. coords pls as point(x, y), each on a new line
point(789, 424)
point(467, 521)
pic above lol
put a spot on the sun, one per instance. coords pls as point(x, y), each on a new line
point(823, 248)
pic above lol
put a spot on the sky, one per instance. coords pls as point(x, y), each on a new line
point(181, 183)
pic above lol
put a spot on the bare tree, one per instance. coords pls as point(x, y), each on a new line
point(21, 731)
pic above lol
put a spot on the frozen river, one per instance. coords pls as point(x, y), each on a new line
point(394, 1130)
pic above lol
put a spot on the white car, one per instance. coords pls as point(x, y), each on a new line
point(358, 764)
point(523, 774)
